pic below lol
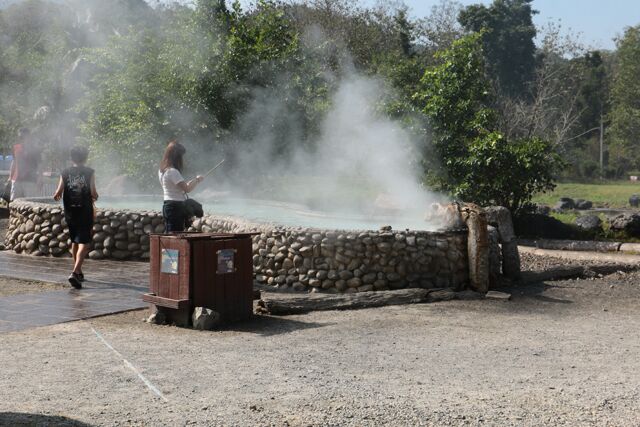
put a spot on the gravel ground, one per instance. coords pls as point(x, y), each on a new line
point(562, 353)
point(534, 262)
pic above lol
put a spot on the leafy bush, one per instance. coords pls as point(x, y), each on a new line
point(478, 163)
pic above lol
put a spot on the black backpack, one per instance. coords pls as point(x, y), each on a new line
point(193, 208)
point(6, 192)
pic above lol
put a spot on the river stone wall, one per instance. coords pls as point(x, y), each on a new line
point(300, 258)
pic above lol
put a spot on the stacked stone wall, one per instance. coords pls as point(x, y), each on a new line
point(297, 258)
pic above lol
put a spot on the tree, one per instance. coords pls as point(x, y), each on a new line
point(478, 163)
point(41, 68)
point(552, 111)
point(405, 32)
point(188, 80)
point(625, 99)
point(441, 28)
point(508, 42)
point(594, 90)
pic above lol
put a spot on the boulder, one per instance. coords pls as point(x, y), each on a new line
point(628, 223)
point(583, 204)
point(589, 222)
point(543, 210)
point(634, 201)
point(204, 318)
point(564, 203)
point(157, 318)
point(501, 296)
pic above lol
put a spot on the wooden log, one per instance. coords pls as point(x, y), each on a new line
point(477, 246)
point(282, 304)
point(500, 217)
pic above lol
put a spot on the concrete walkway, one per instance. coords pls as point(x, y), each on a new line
point(111, 287)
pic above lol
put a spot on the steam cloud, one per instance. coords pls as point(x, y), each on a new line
point(362, 165)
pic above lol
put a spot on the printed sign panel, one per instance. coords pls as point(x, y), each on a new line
point(169, 261)
point(225, 261)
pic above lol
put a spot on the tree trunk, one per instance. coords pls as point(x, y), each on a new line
point(282, 304)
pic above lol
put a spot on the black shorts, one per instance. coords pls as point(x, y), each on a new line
point(174, 215)
point(80, 223)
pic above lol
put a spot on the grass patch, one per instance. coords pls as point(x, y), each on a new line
point(566, 217)
point(608, 194)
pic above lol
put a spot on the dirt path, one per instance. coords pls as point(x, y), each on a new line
point(562, 354)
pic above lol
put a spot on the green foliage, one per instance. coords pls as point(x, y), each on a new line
point(405, 32)
point(594, 90)
point(625, 98)
point(508, 42)
point(190, 80)
point(478, 163)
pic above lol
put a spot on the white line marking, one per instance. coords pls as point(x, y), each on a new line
point(132, 367)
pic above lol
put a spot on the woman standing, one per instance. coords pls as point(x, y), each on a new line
point(174, 187)
point(77, 189)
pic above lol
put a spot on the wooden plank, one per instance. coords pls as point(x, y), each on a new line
point(208, 289)
point(154, 268)
point(184, 287)
point(220, 295)
point(164, 279)
point(172, 281)
point(231, 282)
point(165, 302)
point(199, 274)
point(168, 283)
point(245, 279)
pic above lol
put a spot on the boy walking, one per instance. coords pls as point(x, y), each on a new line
point(77, 189)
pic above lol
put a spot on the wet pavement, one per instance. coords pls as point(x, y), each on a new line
point(111, 287)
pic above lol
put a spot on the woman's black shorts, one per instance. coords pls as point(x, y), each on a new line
point(174, 215)
point(80, 223)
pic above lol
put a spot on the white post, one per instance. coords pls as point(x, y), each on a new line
point(601, 147)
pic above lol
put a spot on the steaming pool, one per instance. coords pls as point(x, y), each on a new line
point(280, 213)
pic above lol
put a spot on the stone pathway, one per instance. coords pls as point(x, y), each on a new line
point(111, 287)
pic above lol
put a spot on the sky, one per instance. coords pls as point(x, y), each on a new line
point(596, 22)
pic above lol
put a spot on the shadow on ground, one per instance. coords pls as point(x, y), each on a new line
point(270, 325)
point(24, 419)
point(537, 291)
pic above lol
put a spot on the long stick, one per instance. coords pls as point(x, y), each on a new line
point(213, 168)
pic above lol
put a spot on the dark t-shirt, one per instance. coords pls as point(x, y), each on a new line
point(77, 187)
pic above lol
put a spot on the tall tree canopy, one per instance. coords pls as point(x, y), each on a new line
point(625, 98)
point(508, 41)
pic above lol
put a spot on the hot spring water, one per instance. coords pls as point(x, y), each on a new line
point(280, 213)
